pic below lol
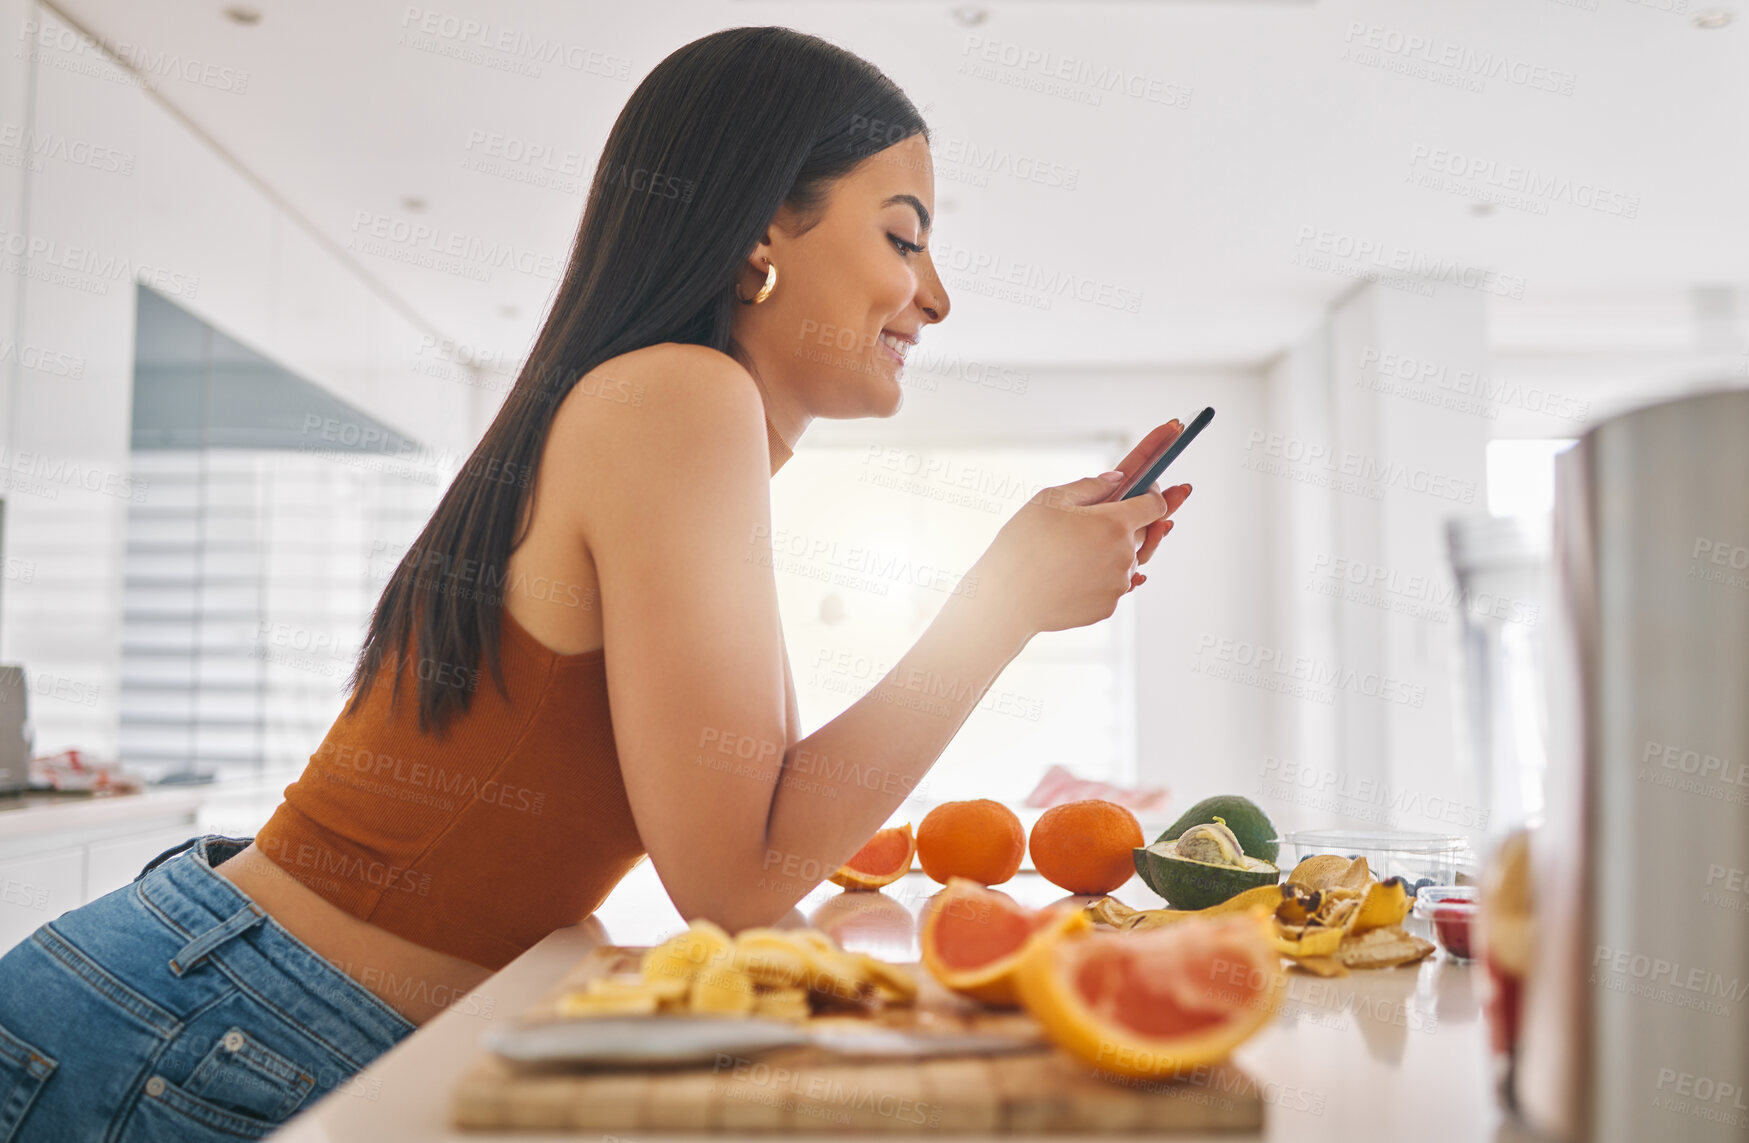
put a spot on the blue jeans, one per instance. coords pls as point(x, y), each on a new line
point(175, 1009)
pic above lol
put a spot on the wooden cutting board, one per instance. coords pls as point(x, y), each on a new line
point(805, 1090)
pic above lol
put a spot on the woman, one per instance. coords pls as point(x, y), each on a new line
point(579, 663)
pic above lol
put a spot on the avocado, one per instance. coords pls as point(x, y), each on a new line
point(1204, 867)
point(1256, 833)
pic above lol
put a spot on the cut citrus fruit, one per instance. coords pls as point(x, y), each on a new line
point(1152, 1004)
point(972, 939)
point(884, 859)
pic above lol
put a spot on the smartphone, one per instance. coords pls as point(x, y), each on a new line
point(1152, 470)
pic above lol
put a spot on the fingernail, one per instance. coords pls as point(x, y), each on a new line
point(1114, 475)
point(1187, 490)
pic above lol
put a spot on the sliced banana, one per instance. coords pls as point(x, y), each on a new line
point(892, 983)
point(723, 991)
point(608, 997)
point(667, 986)
point(771, 960)
point(703, 944)
point(784, 973)
point(782, 1003)
point(814, 938)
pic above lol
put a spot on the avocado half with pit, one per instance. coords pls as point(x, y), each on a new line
point(1244, 817)
point(1203, 866)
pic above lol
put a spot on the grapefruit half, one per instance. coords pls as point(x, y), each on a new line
point(1154, 1003)
point(882, 860)
point(972, 938)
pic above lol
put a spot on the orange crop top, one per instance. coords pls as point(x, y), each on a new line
point(478, 844)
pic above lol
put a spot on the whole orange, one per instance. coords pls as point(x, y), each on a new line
point(1086, 847)
point(980, 839)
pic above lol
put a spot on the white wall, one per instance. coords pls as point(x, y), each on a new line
point(175, 213)
point(1390, 448)
point(1432, 457)
point(1195, 734)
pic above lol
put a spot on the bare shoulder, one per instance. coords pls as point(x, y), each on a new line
point(643, 424)
point(673, 372)
point(660, 392)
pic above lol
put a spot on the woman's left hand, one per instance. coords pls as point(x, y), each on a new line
point(1152, 535)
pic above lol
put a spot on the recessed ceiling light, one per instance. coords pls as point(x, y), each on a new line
point(240, 14)
point(1481, 209)
point(413, 203)
point(970, 15)
point(1711, 18)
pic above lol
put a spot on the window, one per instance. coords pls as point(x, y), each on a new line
point(1507, 729)
point(869, 541)
point(252, 569)
point(1521, 475)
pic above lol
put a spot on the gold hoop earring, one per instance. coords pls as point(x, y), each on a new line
point(764, 291)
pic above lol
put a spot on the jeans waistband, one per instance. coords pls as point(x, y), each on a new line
point(222, 923)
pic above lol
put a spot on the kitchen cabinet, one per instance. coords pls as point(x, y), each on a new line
point(111, 864)
point(58, 852)
point(37, 888)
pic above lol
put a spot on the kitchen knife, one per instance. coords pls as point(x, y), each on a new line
point(644, 1041)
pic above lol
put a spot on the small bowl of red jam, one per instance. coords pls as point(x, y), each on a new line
point(1451, 911)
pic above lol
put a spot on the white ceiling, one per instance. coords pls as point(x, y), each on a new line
point(1200, 209)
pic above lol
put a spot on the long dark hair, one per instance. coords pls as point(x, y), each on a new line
point(712, 142)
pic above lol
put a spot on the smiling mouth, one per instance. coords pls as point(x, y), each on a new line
point(896, 344)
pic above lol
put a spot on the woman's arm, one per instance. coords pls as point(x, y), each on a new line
point(739, 821)
point(839, 784)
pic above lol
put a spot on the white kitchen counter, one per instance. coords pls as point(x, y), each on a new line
point(233, 804)
point(33, 814)
point(1396, 1054)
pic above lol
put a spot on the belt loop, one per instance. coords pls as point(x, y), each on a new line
point(192, 952)
point(167, 854)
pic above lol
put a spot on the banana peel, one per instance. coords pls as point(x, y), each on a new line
point(1316, 943)
point(1382, 948)
point(1329, 915)
point(1320, 872)
point(1386, 903)
point(1321, 965)
point(1110, 911)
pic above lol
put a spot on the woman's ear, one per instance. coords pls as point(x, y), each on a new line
point(780, 231)
point(759, 257)
point(771, 245)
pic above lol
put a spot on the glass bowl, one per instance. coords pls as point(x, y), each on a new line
point(1450, 910)
point(1420, 859)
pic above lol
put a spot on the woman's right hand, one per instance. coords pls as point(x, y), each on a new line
point(1067, 556)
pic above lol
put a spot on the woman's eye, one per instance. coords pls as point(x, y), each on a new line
point(904, 246)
